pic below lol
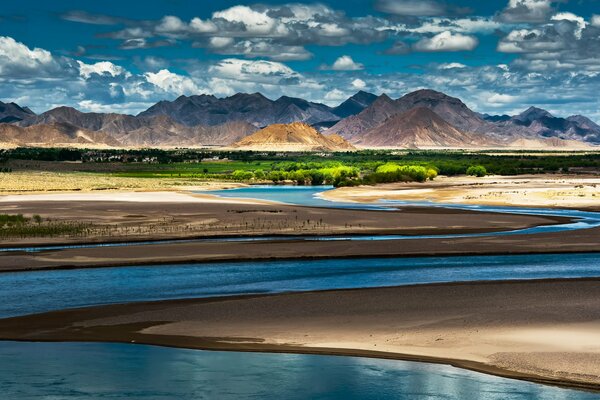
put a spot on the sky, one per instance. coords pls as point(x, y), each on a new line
point(498, 56)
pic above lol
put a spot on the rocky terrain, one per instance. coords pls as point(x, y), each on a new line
point(421, 119)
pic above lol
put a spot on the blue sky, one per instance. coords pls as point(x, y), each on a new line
point(122, 56)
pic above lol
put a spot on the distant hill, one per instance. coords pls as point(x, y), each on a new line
point(363, 119)
point(255, 109)
point(387, 121)
point(536, 122)
point(354, 104)
point(12, 112)
point(419, 127)
point(451, 109)
point(296, 136)
point(134, 131)
point(55, 134)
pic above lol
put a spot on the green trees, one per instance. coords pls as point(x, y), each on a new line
point(392, 172)
point(477, 170)
point(240, 175)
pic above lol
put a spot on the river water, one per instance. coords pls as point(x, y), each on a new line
point(119, 371)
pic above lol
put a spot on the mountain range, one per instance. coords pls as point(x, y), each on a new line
point(436, 118)
point(11, 112)
point(420, 119)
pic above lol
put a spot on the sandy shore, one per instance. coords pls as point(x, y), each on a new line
point(135, 197)
point(504, 328)
point(566, 191)
point(215, 219)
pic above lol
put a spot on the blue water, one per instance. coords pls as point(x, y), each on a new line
point(90, 371)
point(119, 371)
point(299, 195)
point(38, 291)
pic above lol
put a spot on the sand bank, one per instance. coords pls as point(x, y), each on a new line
point(149, 215)
point(137, 197)
point(529, 191)
point(132, 221)
point(504, 328)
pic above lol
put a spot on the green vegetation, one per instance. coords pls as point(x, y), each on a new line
point(392, 172)
point(477, 170)
point(340, 169)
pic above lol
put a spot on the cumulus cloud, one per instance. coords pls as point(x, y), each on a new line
point(452, 65)
point(344, 63)
point(335, 96)
point(415, 8)
point(359, 84)
point(566, 41)
point(567, 16)
point(102, 68)
point(172, 82)
point(595, 20)
point(257, 48)
point(256, 71)
point(527, 11)
point(17, 61)
point(498, 99)
point(447, 41)
point(461, 25)
point(288, 28)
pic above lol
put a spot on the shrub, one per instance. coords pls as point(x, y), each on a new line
point(477, 170)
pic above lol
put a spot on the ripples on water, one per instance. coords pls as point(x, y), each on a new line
point(87, 371)
point(37, 291)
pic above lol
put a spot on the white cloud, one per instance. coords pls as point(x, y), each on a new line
point(258, 70)
point(172, 82)
point(344, 63)
point(527, 10)
point(255, 22)
point(102, 68)
point(201, 26)
point(359, 84)
point(498, 98)
point(596, 20)
point(289, 28)
point(19, 61)
point(219, 42)
point(452, 65)
point(170, 23)
point(567, 16)
point(414, 8)
point(331, 30)
point(335, 95)
point(461, 25)
point(447, 41)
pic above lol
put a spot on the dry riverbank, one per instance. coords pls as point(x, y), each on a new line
point(161, 215)
point(505, 328)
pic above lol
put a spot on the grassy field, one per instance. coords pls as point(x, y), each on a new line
point(151, 169)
